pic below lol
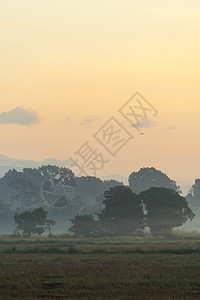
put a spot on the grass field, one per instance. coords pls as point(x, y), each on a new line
point(103, 268)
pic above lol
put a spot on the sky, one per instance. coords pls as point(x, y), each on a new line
point(67, 67)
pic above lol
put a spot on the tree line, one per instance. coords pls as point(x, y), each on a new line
point(124, 213)
point(21, 191)
point(128, 213)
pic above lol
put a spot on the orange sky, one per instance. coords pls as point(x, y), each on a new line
point(75, 60)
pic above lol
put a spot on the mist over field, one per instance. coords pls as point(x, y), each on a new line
point(65, 196)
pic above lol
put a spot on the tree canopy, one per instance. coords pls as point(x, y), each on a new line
point(126, 213)
point(165, 210)
point(32, 222)
point(122, 214)
point(83, 225)
point(146, 178)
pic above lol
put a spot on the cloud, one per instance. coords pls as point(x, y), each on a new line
point(20, 115)
point(89, 120)
point(171, 128)
point(144, 123)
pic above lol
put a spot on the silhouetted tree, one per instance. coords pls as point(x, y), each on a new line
point(22, 189)
point(123, 213)
point(166, 209)
point(89, 186)
point(49, 224)
point(146, 178)
point(31, 221)
point(84, 225)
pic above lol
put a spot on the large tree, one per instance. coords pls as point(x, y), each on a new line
point(166, 209)
point(146, 178)
point(122, 214)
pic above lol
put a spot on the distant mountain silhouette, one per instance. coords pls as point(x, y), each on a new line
point(8, 163)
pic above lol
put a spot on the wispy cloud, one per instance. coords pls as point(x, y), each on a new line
point(143, 123)
point(89, 120)
point(20, 115)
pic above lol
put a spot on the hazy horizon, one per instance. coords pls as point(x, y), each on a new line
point(7, 163)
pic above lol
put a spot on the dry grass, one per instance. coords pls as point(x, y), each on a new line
point(101, 269)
